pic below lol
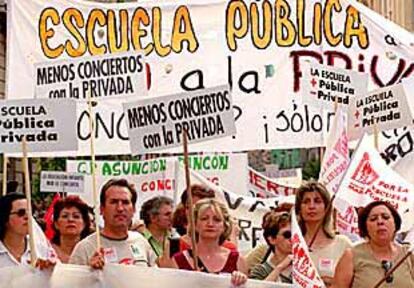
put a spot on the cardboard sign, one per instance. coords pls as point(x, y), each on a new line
point(55, 181)
point(107, 76)
point(48, 125)
point(386, 108)
point(159, 123)
point(323, 85)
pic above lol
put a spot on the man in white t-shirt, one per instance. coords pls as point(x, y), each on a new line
point(118, 198)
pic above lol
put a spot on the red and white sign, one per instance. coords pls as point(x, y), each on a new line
point(304, 272)
point(368, 178)
point(336, 159)
point(264, 187)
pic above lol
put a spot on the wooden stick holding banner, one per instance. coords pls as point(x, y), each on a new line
point(190, 201)
point(4, 188)
point(28, 193)
point(395, 267)
point(95, 194)
point(376, 136)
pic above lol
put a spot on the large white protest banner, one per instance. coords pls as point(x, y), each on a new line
point(304, 272)
point(46, 124)
point(58, 181)
point(187, 49)
point(324, 85)
point(336, 158)
point(110, 75)
point(386, 108)
point(160, 123)
point(265, 187)
point(126, 276)
point(368, 178)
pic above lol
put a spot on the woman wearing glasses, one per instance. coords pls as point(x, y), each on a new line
point(14, 247)
point(277, 233)
point(366, 263)
point(213, 226)
point(71, 224)
point(314, 210)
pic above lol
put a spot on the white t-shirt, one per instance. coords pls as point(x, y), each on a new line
point(135, 250)
point(7, 259)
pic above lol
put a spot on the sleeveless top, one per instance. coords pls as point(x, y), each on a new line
point(368, 270)
point(229, 267)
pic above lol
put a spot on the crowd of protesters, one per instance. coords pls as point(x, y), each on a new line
point(164, 238)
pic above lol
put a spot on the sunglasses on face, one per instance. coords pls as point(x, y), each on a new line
point(287, 234)
point(21, 212)
point(387, 265)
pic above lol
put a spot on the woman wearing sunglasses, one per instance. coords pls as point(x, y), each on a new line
point(314, 210)
point(277, 233)
point(14, 247)
point(366, 263)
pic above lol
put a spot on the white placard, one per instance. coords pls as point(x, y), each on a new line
point(159, 123)
point(57, 181)
point(107, 76)
point(48, 125)
point(323, 85)
point(386, 108)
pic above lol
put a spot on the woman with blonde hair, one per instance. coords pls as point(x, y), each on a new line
point(314, 210)
point(213, 226)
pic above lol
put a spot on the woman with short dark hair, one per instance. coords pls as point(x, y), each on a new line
point(71, 224)
point(366, 263)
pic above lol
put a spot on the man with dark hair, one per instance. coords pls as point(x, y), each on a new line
point(118, 198)
point(157, 216)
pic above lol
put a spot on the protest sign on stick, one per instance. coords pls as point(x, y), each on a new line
point(4, 186)
point(159, 123)
point(28, 193)
point(103, 76)
point(47, 125)
point(382, 109)
point(58, 181)
point(325, 85)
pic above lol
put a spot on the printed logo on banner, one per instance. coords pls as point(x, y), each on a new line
point(386, 108)
point(111, 75)
point(365, 173)
point(323, 85)
point(159, 123)
point(48, 125)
